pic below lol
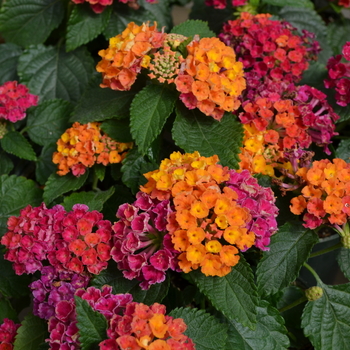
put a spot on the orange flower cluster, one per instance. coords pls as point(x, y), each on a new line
point(83, 145)
point(127, 54)
point(210, 78)
point(326, 195)
point(208, 226)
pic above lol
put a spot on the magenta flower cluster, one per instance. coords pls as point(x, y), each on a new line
point(8, 331)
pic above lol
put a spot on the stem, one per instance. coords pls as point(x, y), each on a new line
point(313, 272)
point(293, 304)
point(24, 130)
point(94, 182)
point(326, 250)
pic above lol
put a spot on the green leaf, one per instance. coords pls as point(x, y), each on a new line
point(149, 111)
point(15, 143)
point(338, 34)
point(270, 332)
point(9, 54)
point(44, 167)
point(205, 330)
point(26, 22)
point(114, 278)
point(295, 3)
point(31, 333)
point(7, 311)
point(57, 185)
point(48, 121)
point(85, 25)
point(290, 247)
point(98, 104)
point(193, 27)
point(100, 171)
point(343, 150)
point(160, 11)
point(309, 19)
point(315, 75)
point(6, 164)
point(343, 112)
point(118, 130)
point(343, 259)
point(326, 321)
point(51, 72)
point(16, 192)
point(194, 131)
point(94, 200)
point(234, 295)
point(92, 325)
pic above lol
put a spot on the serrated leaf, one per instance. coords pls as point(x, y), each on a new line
point(98, 104)
point(114, 278)
point(315, 75)
point(343, 259)
point(326, 321)
point(193, 27)
point(118, 130)
point(84, 25)
point(9, 54)
point(270, 332)
point(7, 311)
point(16, 192)
point(31, 333)
point(92, 325)
point(6, 164)
point(343, 112)
point(15, 143)
point(194, 131)
point(295, 3)
point(338, 35)
point(57, 185)
point(149, 111)
point(48, 121)
point(343, 150)
point(26, 22)
point(94, 200)
point(51, 72)
point(290, 247)
point(234, 295)
point(205, 330)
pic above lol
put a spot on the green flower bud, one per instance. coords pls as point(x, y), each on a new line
point(3, 129)
point(346, 242)
point(314, 293)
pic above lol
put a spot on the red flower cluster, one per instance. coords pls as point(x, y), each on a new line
point(221, 4)
point(15, 100)
point(8, 331)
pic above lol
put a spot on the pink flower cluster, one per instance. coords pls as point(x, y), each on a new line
point(338, 76)
point(98, 6)
point(260, 202)
point(221, 4)
point(68, 240)
point(141, 245)
point(8, 331)
point(15, 100)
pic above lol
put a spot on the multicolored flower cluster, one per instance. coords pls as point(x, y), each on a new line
point(210, 78)
point(15, 99)
point(97, 5)
point(339, 76)
point(141, 245)
point(270, 50)
point(84, 145)
point(8, 331)
point(325, 195)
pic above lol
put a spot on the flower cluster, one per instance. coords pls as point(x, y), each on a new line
point(15, 99)
point(269, 50)
point(210, 78)
point(8, 331)
point(342, 3)
point(338, 76)
point(83, 145)
point(97, 5)
point(127, 54)
point(141, 245)
point(221, 4)
point(325, 193)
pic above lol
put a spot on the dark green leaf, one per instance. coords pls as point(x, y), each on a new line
point(7, 311)
point(98, 104)
point(51, 72)
point(315, 75)
point(94, 200)
point(160, 11)
point(16, 192)
point(92, 325)
point(343, 112)
point(343, 150)
point(15, 143)
point(326, 321)
point(6, 164)
point(234, 294)
point(193, 27)
point(194, 131)
point(338, 35)
point(205, 330)
point(57, 185)
point(343, 259)
point(148, 113)
point(290, 247)
point(9, 54)
point(295, 3)
point(113, 277)
point(100, 171)
point(26, 22)
point(270, 332)
point(44, 166)
point(118, 130)
point(84, 25)
point(48, 121)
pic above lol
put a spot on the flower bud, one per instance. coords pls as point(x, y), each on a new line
point(314, 293)
point(346, 241)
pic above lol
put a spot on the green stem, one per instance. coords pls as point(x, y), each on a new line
point(94, 182)
point(313, 272)
point(24, 130)
point(293, 304)
point(326, 250)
